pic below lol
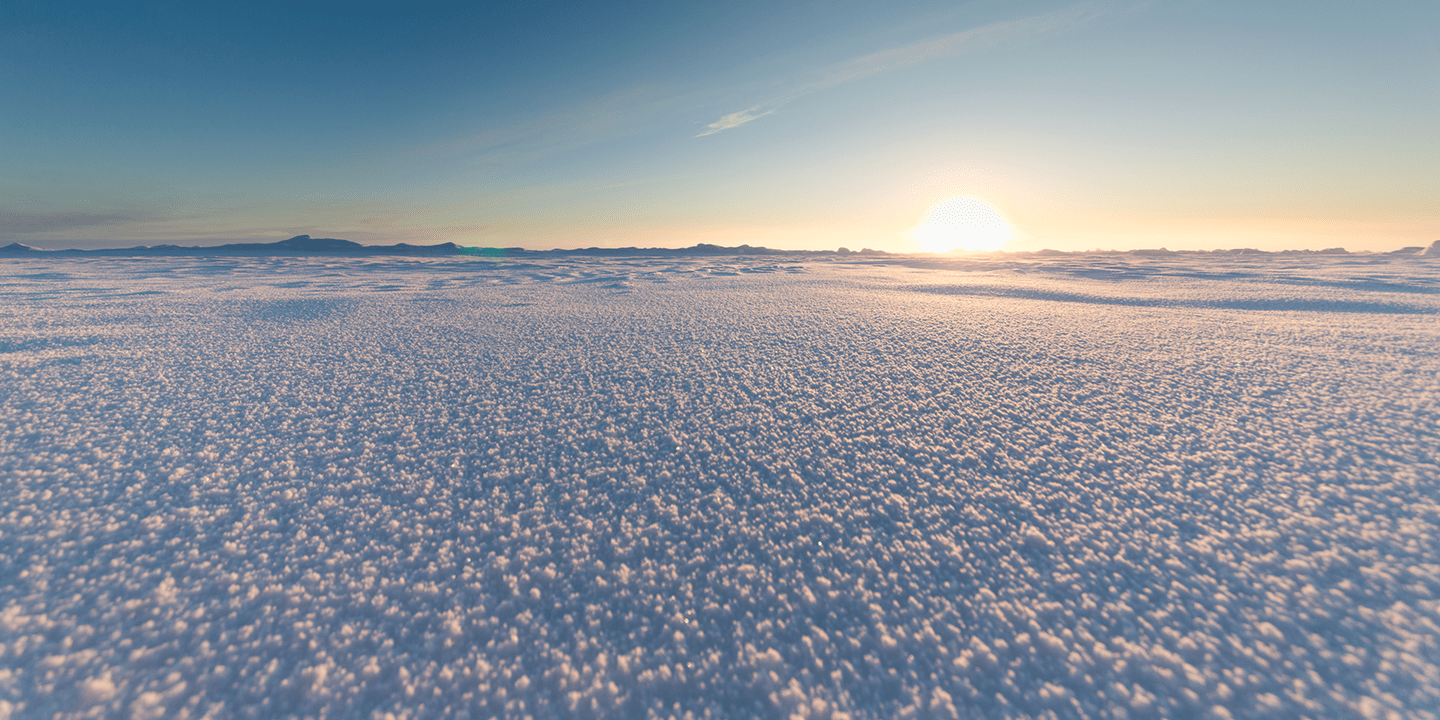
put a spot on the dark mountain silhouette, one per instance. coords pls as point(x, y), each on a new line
point(300, 245)
point(304, 245)
point(307, 243)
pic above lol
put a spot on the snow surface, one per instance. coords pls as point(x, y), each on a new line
point(1070, 486)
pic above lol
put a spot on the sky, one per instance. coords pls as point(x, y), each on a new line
point(787, 124)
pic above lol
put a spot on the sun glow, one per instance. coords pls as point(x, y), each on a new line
point(963, 223)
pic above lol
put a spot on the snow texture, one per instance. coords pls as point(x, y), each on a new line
point(1064, 486)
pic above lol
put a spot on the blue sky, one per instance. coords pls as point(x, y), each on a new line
point(786, 124)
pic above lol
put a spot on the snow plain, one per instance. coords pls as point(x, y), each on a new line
point(1072, 486)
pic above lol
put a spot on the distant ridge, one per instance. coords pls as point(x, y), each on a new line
point(306, 246)
point(309, 244)
point(300, 245)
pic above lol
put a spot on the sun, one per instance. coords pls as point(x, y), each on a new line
point(963, 223)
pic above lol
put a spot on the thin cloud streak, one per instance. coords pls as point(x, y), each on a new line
point(981, 38)
point(735, 119)
point(565, 128)
point(26, 222)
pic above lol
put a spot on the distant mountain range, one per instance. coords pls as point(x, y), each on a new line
point(306, 246)
point(298, 245)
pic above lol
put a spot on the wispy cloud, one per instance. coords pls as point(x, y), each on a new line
point(981, 38)
point(565, 127)
point(735, 119)
point(28, 222)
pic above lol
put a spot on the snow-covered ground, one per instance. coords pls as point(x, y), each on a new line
point(1073, 486)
